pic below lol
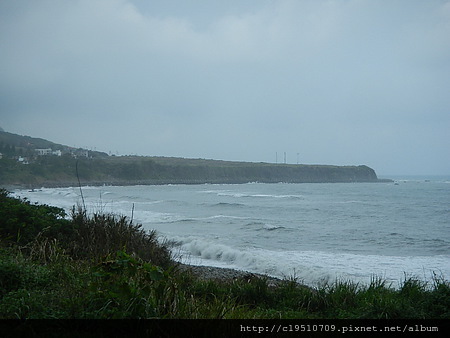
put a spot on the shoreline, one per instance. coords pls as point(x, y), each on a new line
point(54, 185)
point(205, 272)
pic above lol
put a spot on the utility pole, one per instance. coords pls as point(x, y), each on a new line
point(297, 157)
point(276, 157)
point(284, 157)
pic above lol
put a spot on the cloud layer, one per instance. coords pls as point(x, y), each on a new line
point(339, 82)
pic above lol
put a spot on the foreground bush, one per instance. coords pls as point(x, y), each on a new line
point(21, 222)
point(122, 286)
point(37, 227)
point(100, 235)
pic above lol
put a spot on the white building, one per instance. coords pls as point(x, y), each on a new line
point(43, 152)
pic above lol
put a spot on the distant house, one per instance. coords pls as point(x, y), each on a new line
point(1, 156)
point(57, 153)
point(43, 152)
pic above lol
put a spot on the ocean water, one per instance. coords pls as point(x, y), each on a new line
point(313, 232)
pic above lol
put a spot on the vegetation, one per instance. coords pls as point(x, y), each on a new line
point(20, 165)
point(129, 170)
point(104, 266)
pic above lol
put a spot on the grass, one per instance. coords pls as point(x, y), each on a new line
point(104, 266)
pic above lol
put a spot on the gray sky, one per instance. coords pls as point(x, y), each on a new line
point(337, 82)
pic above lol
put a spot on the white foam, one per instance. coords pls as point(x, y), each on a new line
point(148, 217)
point(248, 195)
point(312, 267)
point(272, 227)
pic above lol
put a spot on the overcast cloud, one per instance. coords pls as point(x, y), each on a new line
point(336, 82)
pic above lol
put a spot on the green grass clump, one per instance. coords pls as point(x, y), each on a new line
point(100, 235)
point(105, 266)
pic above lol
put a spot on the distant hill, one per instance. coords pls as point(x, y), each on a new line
point(25, 145)
point(22, 165)
point(26, 141)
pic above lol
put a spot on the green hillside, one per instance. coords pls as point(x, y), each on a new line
point(21, 166)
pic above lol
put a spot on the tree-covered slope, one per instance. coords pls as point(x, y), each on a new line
point(98, 168)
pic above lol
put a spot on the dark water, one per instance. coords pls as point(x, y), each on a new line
point(315, 232)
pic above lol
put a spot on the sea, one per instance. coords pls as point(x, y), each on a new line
point(315, 233)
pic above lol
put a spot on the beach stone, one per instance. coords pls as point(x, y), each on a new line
point(226, 274)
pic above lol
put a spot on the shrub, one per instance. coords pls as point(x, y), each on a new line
point(21, 221)
point(101, 235)
point(44, 230)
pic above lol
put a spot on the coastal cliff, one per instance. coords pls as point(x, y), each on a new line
point(54, 172)
point(24, 165)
